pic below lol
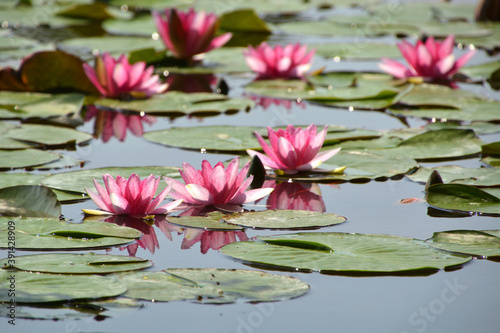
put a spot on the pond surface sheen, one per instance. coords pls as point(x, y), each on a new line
point(464, 300)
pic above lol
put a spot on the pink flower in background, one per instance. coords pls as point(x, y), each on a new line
point(297, 196)
point(225, 189)
point(293, 149)
point(431, 60)
point(188, 34)
point(109, 123)
point(129, 196)
point(289, 62)
point(119, 79)
point(210, 239)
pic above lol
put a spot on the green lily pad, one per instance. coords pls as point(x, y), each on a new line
point(76, 181)
point(41, 288)
point(434, 145)
point(211, 138)
point(142, 25)
point(52, 234)
point(460, 175)
point(480, 128)
point(13, 179)
point(433, 95)
point(356, 51)
point(25, 158)
point(212, 285)
point(33, 135)
point(177, 103)
point(93, 11)
point(459, 197)
point(344, 253)
point(472, 109)
point(360, 166)
point(284, 219)
point(114, 45)
point(67, 263)
point(29, 201)
point(214, 221)
point(243, 20)
point(481, 71)
point(481, 243)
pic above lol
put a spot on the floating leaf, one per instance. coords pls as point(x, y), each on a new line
point(211, 138)
point(112, 44)
point(40, 135)
point(459, 197)
point(356, 51)
point(75, 181)
point(360, 166)
point(41, 288)
point(243, 20)
point(29, 201)
point(52, 234)
point(177, 103)
point(284, 219)
point(211, 285)
point(67, 263)
point(214, 221)
point(460, 175)
point(344, 253)
point(481, 71)
point(25, 158)
point(483, 243)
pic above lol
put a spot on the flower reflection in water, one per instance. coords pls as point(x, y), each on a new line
point(149, 240)
point(191, 83)
point(297, 196)
point(109, 123)
point(266, 102)
point(210, 239)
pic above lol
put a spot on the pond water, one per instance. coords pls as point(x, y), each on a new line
point(461, 300)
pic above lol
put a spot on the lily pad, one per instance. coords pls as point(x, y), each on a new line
point(482, 71)
point(459, 197)
point(481, 243)
point(25, 158)
point(212, 286)
point(284, 219)
point(360, 166)
point(356, 51)
point(41, 288)
point(40, 135)
point(460, 175)
point(211, 138)
point(214, 221)
point(53, 234)
point(177, 103)
point(114, 45)
point(344, 253)
point(76, 181)
point(67, 263)
point(29, 201)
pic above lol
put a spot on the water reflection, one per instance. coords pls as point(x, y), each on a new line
point(191, 83)
point(109, 123)
point(297, 196)
point(149, 240)
point(266, 102)
point(210, 239)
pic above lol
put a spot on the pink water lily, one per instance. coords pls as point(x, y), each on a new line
point(431, 60)
point(289, 62)
point(129, 196)
point(120, 79)
point(225, 189)
point(189, 34)
point(293, 149)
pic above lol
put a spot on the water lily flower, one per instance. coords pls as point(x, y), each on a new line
point(120, 79)
point(293, 149)
point(129, 196)
point(225, 189)
point(431, 60)
point(189, 34)
point(289, 62)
